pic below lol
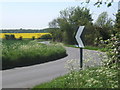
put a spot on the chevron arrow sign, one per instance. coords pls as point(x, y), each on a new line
point(79, 32)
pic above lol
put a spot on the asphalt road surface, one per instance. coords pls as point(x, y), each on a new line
point(27, 77)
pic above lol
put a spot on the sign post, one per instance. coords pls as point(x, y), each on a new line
point(80, 44)
point(81, 57)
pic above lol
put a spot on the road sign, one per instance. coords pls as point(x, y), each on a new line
point(79, 32)
point(80, 43)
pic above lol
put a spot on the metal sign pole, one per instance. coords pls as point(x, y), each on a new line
point(81, 57)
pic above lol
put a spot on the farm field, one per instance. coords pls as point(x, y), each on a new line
point(23, 35)
point(17, 53)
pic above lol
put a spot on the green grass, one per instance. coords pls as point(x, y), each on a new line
point(96, 48)
point(90, 48)
point(22, 53)
point(71, 46)
point(99, 77)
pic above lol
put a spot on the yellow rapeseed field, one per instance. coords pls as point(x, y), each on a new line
point(23, 35)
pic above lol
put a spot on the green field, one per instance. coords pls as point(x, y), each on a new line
point(27, 52)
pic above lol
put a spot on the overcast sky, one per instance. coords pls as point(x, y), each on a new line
point(37, 15)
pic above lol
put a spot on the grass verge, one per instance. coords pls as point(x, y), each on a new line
point(99, 77)
point(96, 48)
point(90, 48)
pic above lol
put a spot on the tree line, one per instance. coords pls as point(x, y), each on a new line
point(23, 31)
point(66, 25)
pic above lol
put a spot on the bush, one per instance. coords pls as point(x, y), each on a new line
point(20, 38)
point(33, 37)
point(46, 36)
point(21, 54)
point(10, 37)
point(114, 52)
point(113, 49)
point(56, 34)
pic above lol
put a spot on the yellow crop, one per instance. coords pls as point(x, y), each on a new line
point(23, 35)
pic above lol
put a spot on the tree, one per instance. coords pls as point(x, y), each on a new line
point(69, 21)
point(53, 24)
point(117, 22)
point(103, 20)
point(114, 44)
point(104, 25)
point(46, 36)
point(98, 3)
point(56, 34)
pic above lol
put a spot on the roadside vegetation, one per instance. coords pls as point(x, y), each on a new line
point(105, 76)
point(102, 35)
point(24, 52)
point(89, 48)
point(100, 77)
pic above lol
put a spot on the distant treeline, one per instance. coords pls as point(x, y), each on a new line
point(23, 31)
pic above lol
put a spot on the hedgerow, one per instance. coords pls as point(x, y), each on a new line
point(22, 54)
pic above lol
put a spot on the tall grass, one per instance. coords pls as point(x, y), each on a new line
point(99, 77)
point(28, 53)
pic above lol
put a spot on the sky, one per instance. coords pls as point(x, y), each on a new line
point(37, 15)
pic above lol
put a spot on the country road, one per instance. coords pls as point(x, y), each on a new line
point(27, 77)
